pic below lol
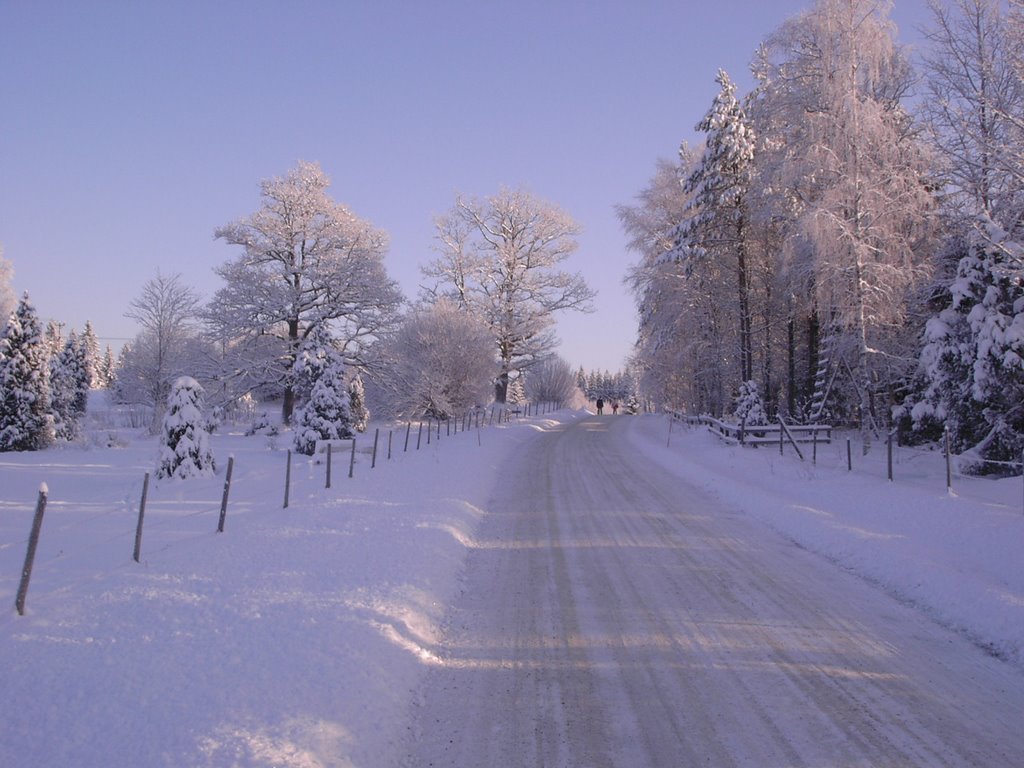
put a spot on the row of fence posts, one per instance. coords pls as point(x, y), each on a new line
point(467, 419)
point(891, 438)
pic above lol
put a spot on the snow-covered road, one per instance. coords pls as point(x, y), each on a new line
point(614, 616)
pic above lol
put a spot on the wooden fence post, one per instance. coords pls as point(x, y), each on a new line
point(224, 498)
point(142, 512)
point(849, 456)
point(889, 451)
point(328, 485)
point(389, 444)
point(408, 427)
point(419, 435)
point(949, 467)
point(352, 461)
point(373, 458)
point(30, 555)
point(287, 478)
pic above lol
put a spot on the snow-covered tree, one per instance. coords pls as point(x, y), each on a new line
point(357, 404)
point(186, 450)
point(26, 423)
point(91, 348)
point(107, 369)
point(328, 414)
point(306, 261)
point(516, 391)
point(8, 299)
point(972, 111)
point(837, 77)
point(318, 350)
point(500, 259)
point(973, 358)
point(749, 407)
point(717, 221)
point(440, 361)
point(69, 388)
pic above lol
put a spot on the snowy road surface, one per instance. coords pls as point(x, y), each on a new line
point(613, 616)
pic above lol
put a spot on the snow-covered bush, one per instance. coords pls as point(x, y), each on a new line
point(749, 407)
point(186, 450)
point(632, 405)
point(328, 414)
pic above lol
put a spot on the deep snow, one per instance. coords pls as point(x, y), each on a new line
point(297, 636)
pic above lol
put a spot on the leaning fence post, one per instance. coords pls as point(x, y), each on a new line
point(224, 498)
point(142, 511)
point(287, 478)
point(419, 435)
point(668, 443)
point(408, 427)
point(849, 456)
point(373, 458)
point(352, 461)
point(30, 555)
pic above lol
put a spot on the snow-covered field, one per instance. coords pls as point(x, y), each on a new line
point(297, 636)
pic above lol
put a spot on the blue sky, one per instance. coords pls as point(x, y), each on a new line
point(130, 130)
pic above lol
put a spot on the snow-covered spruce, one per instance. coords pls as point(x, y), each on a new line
point(186, 452)
point(25, 420)
point(69, 387)
point(328, 414)
point(749, 408)
point(357, 404)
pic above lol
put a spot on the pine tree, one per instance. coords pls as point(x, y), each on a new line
point(91, 347)
point(328, 414)
point(69, 388)
point(25, 420)
point(973, 357)
point(186, 452)
point(717, 226)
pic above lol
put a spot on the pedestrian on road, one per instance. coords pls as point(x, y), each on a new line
point(615, 409)
point(600, 406)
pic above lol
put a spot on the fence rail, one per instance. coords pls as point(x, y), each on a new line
point(760, 434)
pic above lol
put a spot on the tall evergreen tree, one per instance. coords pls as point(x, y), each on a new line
point(69, 387)
point(716, 227)
point(25, 420)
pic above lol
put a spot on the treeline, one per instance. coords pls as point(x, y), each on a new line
point(849, 253)
point(307, 313)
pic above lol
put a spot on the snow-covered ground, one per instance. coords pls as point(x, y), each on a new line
point(298, 636)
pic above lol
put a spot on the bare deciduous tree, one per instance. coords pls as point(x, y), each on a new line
point(499, 259)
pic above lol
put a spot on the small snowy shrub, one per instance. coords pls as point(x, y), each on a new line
point(186, 452)
point(749, 408)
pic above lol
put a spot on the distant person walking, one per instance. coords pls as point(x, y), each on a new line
point(615, 409)
point(600, 406)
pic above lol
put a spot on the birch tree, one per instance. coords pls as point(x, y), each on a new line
point(306, 261)
point(867, 217)
point(500, 259)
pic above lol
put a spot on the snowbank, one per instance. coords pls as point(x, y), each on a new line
point(955, 555)
point(294, 637)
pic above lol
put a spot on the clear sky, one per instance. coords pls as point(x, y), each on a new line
point(130, 130)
